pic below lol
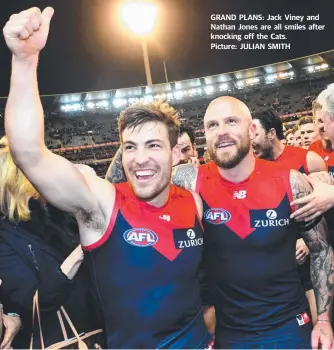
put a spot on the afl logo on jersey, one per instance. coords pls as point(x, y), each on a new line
point(140, 237)
point(217, 216)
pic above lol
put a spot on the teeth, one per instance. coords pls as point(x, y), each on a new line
point(144, 173)
point(225, 144)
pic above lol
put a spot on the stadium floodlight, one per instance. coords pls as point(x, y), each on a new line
point(169, 96)
point(102, 104)
point(148, 98)
point(192, 92)
point(119, 102)
point(90, 105)
point(209, 89)
point(140, 17)
point(178, 94)
point(133, 100)
point(178, 85)
point(223, 87)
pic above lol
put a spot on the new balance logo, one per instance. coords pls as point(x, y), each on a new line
point(239, 194)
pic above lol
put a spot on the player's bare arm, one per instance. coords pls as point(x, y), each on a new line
point(185, 176)
point(321, 254)
point(315, 163)
point(55, 178)
point(115, 173)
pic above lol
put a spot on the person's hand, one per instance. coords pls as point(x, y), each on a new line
point(322, 335)
point(72, 263)
point(322, 176)
point(302, 251)
point(12, 326)
point(26, 33)
point(316, 203)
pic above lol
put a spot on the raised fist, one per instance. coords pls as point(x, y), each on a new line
point(26, 33)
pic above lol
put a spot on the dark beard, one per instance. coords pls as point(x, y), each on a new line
point(232, 162)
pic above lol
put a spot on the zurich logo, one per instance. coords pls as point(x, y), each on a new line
point(140, 237)
point(271, 214)
point(217, 216)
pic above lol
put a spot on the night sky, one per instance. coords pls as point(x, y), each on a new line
point(89, 50)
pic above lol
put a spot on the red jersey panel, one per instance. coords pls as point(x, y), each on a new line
point(145, 271)
point(249, 250)
point(294, 158)
point(317, 147)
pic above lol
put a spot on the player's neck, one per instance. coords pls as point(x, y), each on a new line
point(278, 149)
point(240, 172)
point(326, 144)
point(161, 199)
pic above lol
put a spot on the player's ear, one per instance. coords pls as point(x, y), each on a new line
point(272, 134)
point(252, 131)
point(176, 154)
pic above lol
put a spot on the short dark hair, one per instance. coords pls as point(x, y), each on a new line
point(186, 129)
point(269, 119)
point(142, 113)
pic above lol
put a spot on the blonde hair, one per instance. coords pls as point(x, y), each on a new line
point(305, 120)
point(15, 189)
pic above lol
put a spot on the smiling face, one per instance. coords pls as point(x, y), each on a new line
point(148, 159)
point(227, 125)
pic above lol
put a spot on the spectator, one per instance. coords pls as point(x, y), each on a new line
point(39, 251)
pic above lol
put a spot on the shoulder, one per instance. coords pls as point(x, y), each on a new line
point(296, 150)
point(183, 199)
point(271, 169)
point(315, 162)
point(315, 145)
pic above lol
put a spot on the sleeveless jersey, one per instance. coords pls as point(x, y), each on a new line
point(145, 270)
point(249, 250)
point(318, 148)
point(330, 165)
point(294, 158)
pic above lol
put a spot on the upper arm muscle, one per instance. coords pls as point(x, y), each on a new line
point(316, 236)
point(60, 183)
point(315, 163)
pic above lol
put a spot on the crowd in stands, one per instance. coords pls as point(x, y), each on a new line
point(74, 130)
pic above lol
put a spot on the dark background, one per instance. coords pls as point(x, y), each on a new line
point(89, 50)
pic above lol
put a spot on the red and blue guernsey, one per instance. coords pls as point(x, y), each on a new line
point(330, 165)
point(294, 158)
point(250, 259)
point(145, 270)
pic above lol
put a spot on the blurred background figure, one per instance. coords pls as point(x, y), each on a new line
point(290, 138)
point(307, 130)
point(296, 134)
point(187, 144)
point(322, 145)
point(206, 157)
